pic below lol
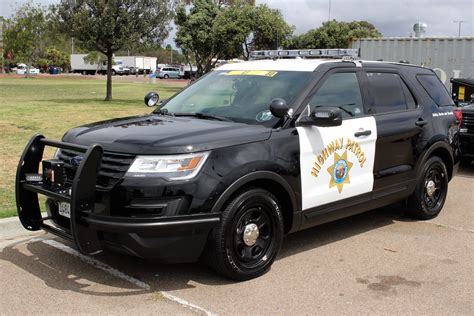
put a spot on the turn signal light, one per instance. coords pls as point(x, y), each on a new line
point(458, 115)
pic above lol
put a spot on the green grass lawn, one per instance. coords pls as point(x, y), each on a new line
point(52, 105)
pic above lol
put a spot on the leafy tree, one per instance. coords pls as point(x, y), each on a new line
point(109, 26)
point(200, 34)
point(226, 2)
point(30, 32)
point(334, 34)
point(211, 31)
point(24, 33)
point(54, 57)
point(96, 58)
point(269, 30)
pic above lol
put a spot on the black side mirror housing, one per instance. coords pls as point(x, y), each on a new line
point(279, 108)
point(151, 99)
point(322, 117)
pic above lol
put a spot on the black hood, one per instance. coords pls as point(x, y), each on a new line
point(158, 134)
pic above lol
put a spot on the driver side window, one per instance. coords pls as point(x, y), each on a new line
point(340, 90)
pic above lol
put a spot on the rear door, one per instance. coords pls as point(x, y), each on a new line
point(399, 122)
point(337, 162)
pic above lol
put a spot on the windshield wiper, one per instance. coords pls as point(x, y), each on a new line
point(205, 116)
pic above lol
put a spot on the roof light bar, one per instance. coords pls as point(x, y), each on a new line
point(305, 53)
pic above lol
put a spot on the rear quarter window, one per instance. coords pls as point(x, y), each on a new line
point(435, 89)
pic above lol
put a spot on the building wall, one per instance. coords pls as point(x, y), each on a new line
point(451, 57)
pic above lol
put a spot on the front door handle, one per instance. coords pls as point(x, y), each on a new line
point(421, 123)
point(363, 133)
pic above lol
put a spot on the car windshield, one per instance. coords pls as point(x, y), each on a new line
point(239, 96)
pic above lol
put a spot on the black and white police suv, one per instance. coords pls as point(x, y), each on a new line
point(250, 152)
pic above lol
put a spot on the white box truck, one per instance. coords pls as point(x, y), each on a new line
point(133, 62)
point(78, 65)
point(149, 64)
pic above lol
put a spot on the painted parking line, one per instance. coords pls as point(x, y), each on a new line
point(116, 273)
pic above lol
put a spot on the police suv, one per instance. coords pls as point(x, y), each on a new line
point(250, 152)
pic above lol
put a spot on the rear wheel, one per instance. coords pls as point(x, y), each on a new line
point(166, 76)
point(430, 193)
point(249, 238)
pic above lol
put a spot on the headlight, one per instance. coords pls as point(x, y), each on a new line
point(177, 167)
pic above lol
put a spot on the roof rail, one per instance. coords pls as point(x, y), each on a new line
point(304, 53)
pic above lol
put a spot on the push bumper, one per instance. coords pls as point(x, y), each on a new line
point(172, 238)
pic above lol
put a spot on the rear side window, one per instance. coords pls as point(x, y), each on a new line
point(436, 90)
point(389, 92)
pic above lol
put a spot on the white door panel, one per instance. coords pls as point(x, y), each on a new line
point(335, 164)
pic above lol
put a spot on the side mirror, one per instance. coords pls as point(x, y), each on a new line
point(279, 108)
point(323, 117)
point(151, 99)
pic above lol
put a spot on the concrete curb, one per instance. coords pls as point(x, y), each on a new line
point(11, 226)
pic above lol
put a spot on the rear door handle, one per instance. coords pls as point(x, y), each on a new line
point(363, 133)
point(421, 123)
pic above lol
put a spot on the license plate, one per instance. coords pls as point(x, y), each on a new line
point(64, 209)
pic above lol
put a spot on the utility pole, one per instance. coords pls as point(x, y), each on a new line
point(329, 14)
point(460, 22)
point(1, 45)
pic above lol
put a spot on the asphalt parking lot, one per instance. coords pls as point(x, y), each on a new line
point(374, 263)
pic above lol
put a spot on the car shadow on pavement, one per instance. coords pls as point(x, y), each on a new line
point(61, 271)
point(170, 277)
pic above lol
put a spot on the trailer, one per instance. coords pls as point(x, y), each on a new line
point(78, 65)
point(149, 64)
point(449, 57)
point(187, 71)
point(135, 62)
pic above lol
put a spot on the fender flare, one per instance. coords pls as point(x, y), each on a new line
point(256, 175)
point(427, 153)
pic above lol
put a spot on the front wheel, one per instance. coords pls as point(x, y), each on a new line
point(249, 238)
point(430, 193)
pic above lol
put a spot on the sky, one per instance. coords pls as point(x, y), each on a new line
point(392, 18)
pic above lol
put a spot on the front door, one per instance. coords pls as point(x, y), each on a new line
point(337, 162)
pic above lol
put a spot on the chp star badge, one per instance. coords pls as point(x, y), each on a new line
point(339, 171)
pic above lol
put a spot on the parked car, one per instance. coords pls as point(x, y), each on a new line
point(462, 91)
point(466, 133)
point(22, 69)
point(245, 155)
point(169, 72)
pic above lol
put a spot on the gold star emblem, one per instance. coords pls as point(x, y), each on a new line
point(339, 171)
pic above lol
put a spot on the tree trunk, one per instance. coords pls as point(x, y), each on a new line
point(108, 96)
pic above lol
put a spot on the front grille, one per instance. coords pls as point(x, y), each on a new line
point(468, 121)
point(112, 167)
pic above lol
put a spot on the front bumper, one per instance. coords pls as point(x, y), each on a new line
point(466, 142)
point(169, 238)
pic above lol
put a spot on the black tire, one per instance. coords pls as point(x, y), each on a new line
point(424, 204)
point(113, 72)
point(229, 254)
point(166, 76)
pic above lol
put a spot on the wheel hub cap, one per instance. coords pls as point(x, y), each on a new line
point(250, 234)
point(430, 188)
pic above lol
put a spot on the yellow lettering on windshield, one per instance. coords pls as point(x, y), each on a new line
point(264, 73)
